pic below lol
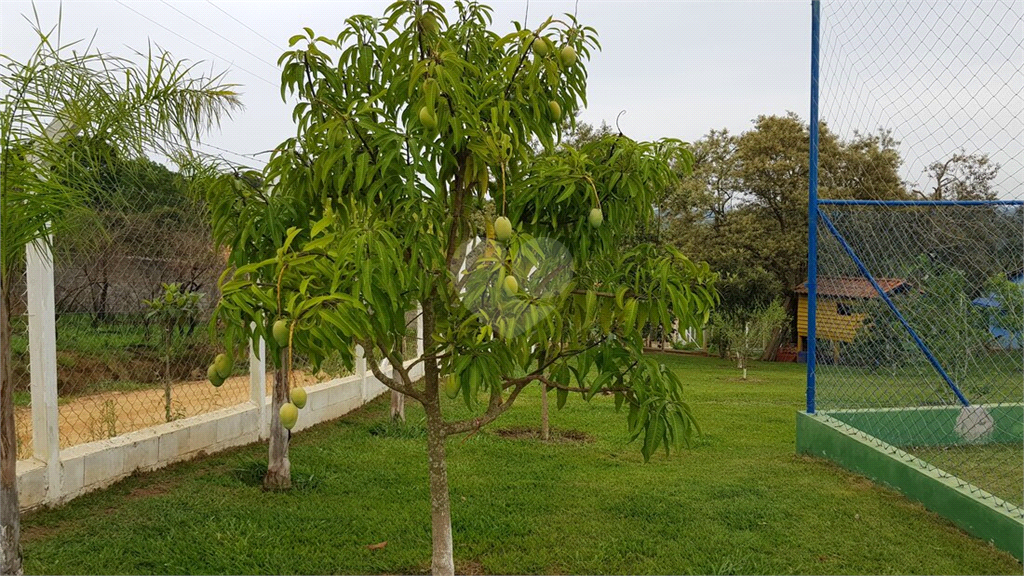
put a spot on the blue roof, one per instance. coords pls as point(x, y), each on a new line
point(987, 302)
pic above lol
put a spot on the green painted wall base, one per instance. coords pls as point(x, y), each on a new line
point(826, 437)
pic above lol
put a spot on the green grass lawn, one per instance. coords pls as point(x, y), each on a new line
point(739, 501)
point(995, 468)
point(992, 378)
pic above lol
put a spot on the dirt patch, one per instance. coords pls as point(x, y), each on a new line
point(33, 533)
point(150, 490)
point(108, 414)
point(557, 435)
point(469, 567)
point(740, 379)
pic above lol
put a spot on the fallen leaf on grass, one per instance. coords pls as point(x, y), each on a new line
point(377, 546)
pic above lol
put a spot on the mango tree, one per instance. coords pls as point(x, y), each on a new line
point(252, 220)
point(413, 131)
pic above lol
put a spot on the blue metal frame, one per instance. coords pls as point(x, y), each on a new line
point(888, 301)
point(812, 214)
point(921, 202)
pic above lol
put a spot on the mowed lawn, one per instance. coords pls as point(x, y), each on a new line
point(738, 501)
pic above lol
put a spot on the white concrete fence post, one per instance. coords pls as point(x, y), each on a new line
point(361, 372)
point(258, 385)
point(42, 347)
point(420, 368)
point(419, 333)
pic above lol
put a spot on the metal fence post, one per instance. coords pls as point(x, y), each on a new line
point(42, 346)
point(258, 383)
point(812, 216)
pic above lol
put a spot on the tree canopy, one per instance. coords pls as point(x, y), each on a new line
point(744, 208)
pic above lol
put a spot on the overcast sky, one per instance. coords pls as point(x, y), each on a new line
point(678, 69)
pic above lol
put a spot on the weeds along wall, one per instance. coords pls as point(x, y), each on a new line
point(918, 293)
point(111, 345)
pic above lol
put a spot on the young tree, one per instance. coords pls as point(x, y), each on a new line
point(410, 127)
point(748, 334)
point(254, 220)
point(174, 310)
point(58, 92)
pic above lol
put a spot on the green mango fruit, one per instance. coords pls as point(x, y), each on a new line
point(541, 47)
point(567, 56)
point(223, 365)
point(427, 118)
point(429, 23)
point(502, 229)
point(556, 109)
point(451, 386)
point(213, 376)
point(298, 397)
point(596, 217)
point(280, 332)
point(289, 415)
point(511, 284)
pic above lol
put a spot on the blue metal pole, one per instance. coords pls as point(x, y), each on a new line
point(812, 213)
point(892, 307)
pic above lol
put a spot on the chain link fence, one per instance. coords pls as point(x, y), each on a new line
point(920, 299)
point(135, 282)
point(20, 372)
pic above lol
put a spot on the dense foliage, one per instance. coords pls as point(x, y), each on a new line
point(414, 129)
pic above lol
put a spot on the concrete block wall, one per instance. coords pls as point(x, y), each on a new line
point(54, 476)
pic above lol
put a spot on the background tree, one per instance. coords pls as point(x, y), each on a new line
point(59, 91)
point(744, 207)
point(140, 211)
point(961, 177)
point(408, 126)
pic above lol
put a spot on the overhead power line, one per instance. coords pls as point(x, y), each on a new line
point(249, 28)
point(250, 72)
point(219, 35)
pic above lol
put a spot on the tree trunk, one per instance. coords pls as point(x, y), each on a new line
point(545, 430)
point(279, 475)
point(167, 376)
point(397, 405)
point(10, 514)
point(442, 562)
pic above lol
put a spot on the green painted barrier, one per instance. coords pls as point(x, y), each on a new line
point(977, 512)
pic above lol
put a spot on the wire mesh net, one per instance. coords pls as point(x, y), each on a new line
point(920, 309)
point(20, 369)
point(135, 279)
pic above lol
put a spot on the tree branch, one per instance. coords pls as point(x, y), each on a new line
point(494, 410)
point(374, 364)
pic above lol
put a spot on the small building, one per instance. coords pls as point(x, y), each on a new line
point(837, 319)
point(1005, 338)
